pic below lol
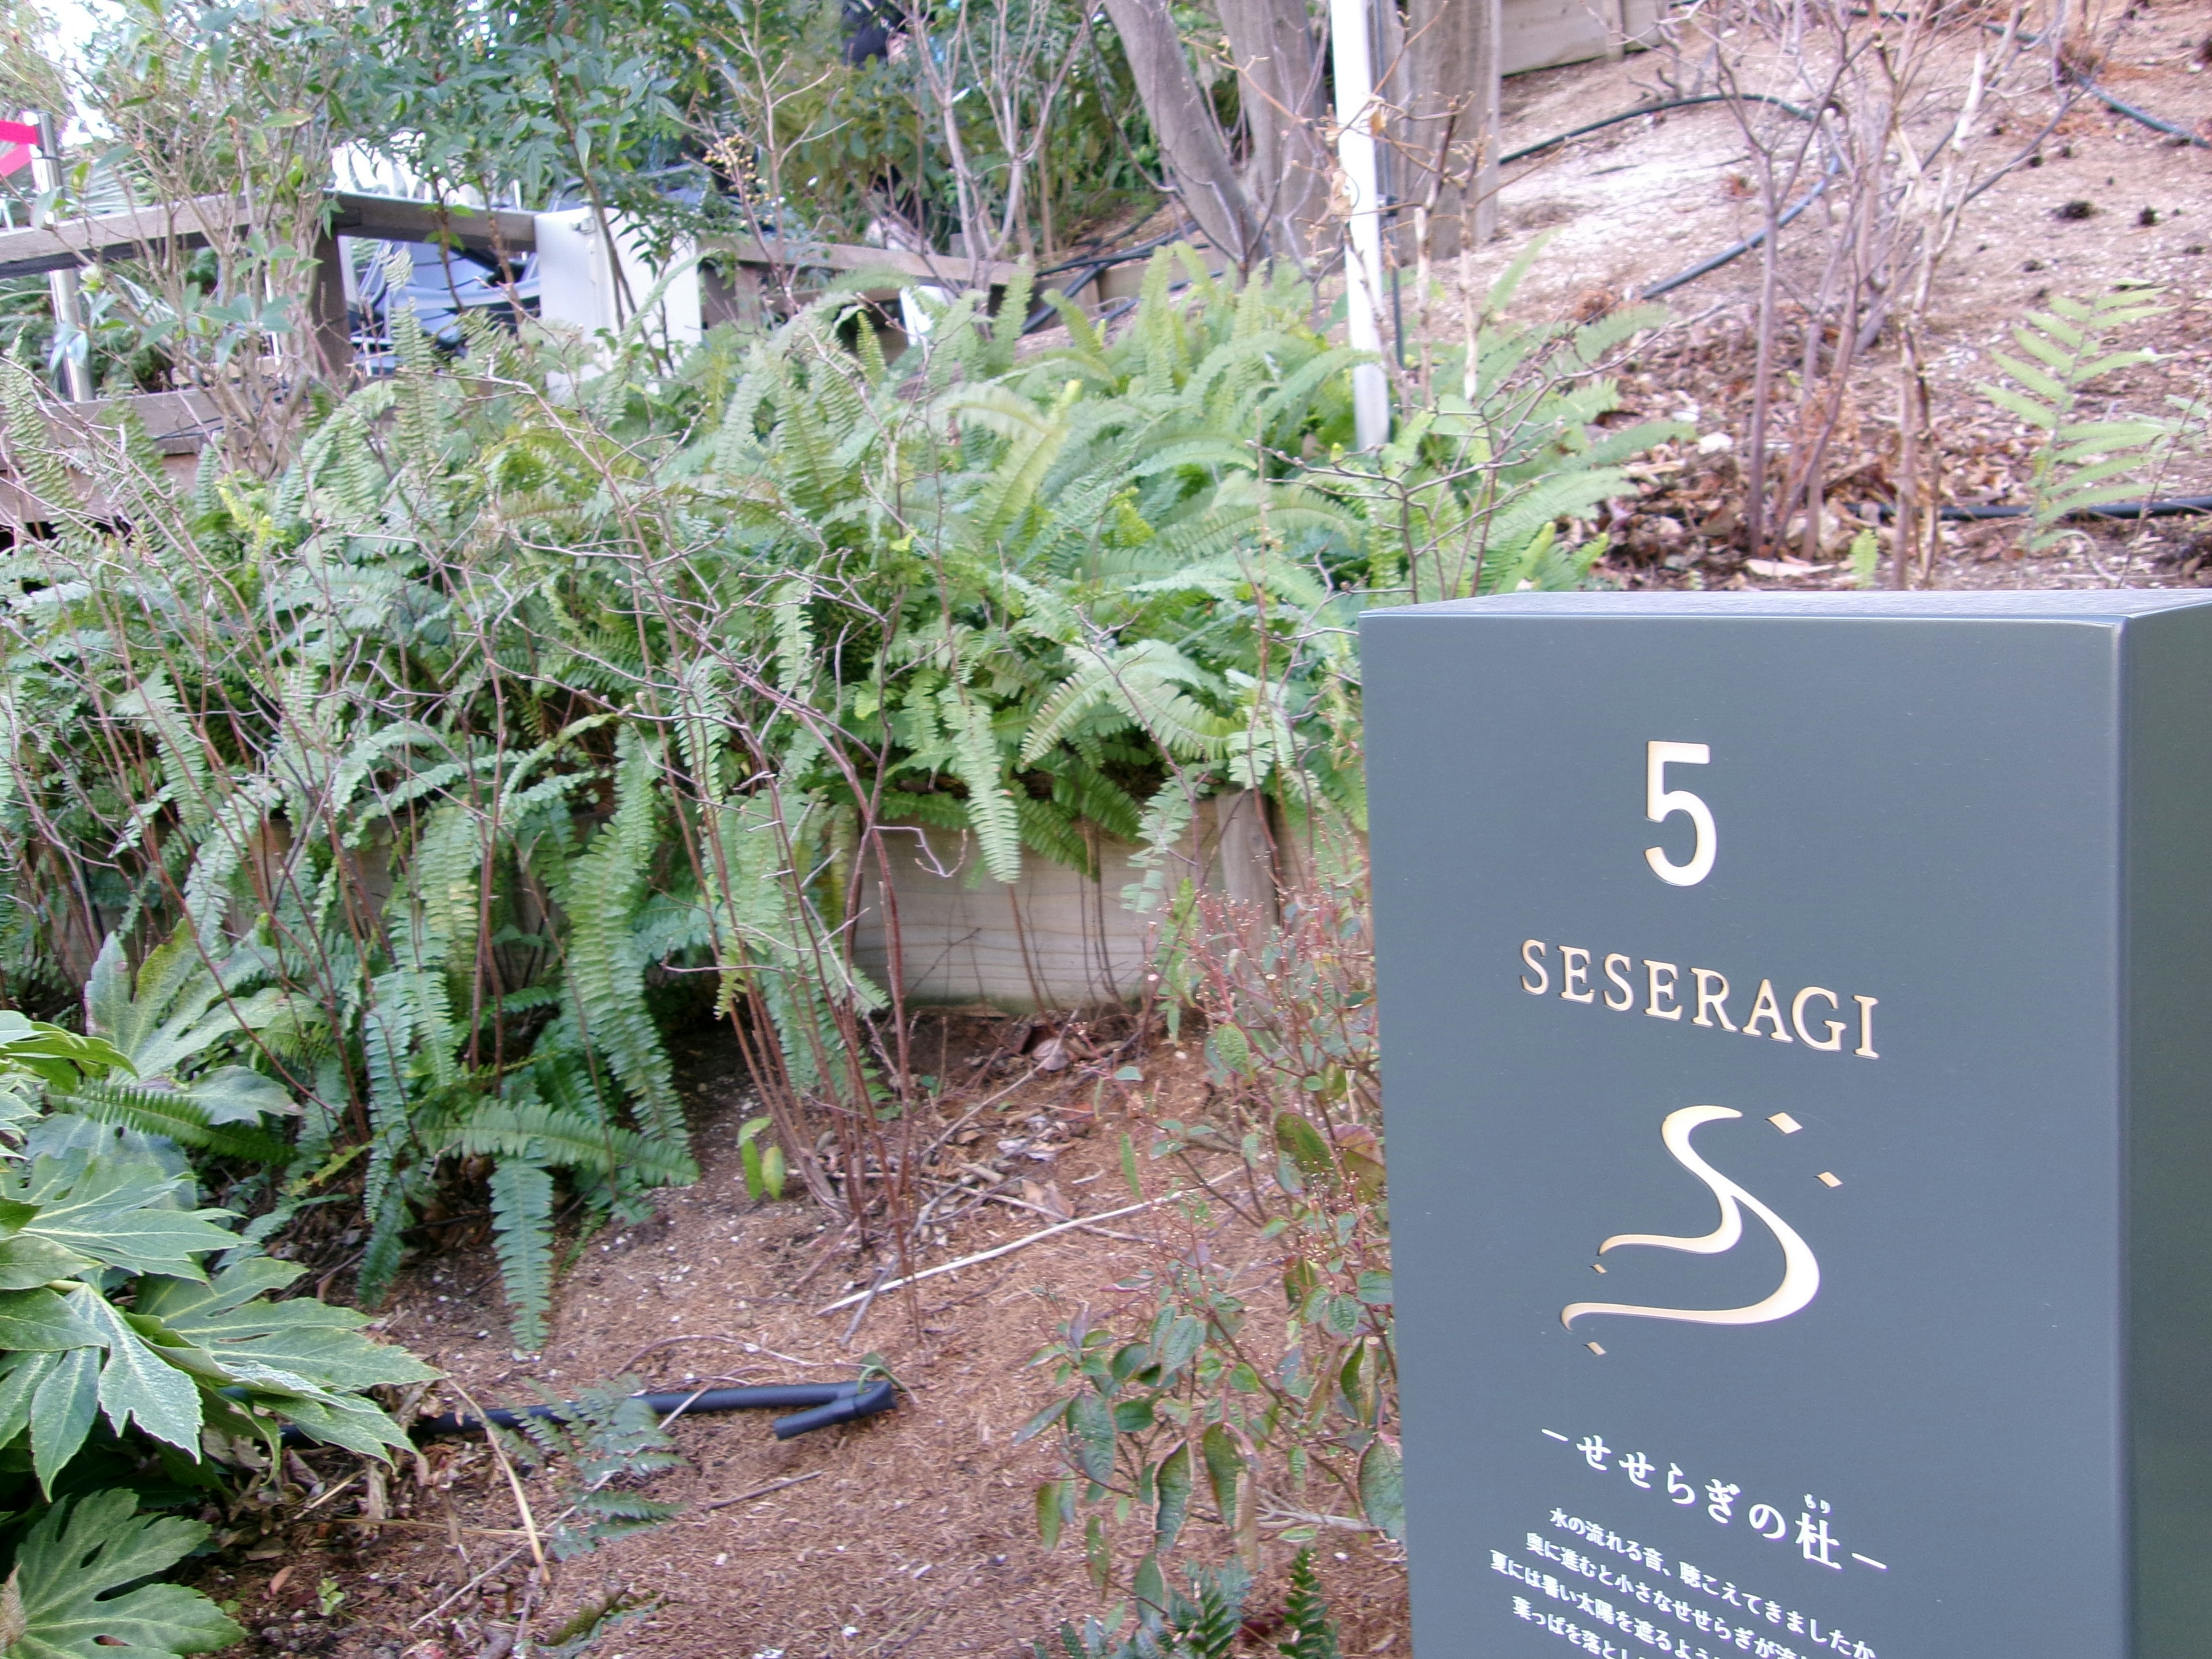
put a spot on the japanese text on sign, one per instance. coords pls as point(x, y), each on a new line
point(1719, 1500)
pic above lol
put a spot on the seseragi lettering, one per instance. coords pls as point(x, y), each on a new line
point(1809, 1017)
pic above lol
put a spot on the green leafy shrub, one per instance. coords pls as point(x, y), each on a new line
point(415, 779)
point(125, 1362)
point(1189, 1410)
point(1167, 1625)
point(1205, 1624)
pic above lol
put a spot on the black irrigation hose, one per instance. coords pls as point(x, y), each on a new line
point(830, 1403)
point(2154, 123)
point(2167, 506)
point(2144, 118)
point(1541, 145)
point(1703, 267)
point(1091, 265)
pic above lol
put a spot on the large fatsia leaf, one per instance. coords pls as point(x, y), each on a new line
point(116, 1212)
point(230, 1319)
point(137, 1384)
point(61, 1601)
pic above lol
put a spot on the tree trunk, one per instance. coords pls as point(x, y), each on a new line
point(1190, 139)
point(1285, 102)
point(1451, 118)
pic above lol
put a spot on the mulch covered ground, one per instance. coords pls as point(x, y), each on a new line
point(911, 1534)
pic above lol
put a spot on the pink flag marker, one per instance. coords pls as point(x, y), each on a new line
point(19, 140)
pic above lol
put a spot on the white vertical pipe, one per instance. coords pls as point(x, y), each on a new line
point(1352, 60)
point(69, 304)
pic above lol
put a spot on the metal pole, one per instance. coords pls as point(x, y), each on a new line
point(75, 382)
point(1353, 61)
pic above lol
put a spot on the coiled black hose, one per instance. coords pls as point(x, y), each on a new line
point(828, 1403)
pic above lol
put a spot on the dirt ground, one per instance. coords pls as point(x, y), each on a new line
point(913, 1533)
point(1635, 203)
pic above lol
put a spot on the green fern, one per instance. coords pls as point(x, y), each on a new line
point(1210, 1629)
point(522, 1233)
point(608, 1441)
point(1312, 1634)
point(2079, 463)
point(600, 889)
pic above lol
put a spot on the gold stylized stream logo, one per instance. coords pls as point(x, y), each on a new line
point(1801, 1270)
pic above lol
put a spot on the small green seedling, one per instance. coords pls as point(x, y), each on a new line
point(1866, 553)
point(764, 1160)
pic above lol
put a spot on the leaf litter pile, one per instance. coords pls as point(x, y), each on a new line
point(912, 1533)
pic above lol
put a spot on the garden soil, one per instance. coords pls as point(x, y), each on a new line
point(2107, 201)
point(912, 1533)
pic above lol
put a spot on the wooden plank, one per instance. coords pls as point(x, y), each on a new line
point(402, 219)
point(940, 270)
point(179, 424)
point(78, 242)
point(135, 234)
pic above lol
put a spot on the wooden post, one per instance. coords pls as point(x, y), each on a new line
point(329, 327)
point(1350, 48)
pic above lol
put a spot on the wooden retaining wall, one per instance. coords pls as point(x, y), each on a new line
point(1544, 33)
point(1054, 938)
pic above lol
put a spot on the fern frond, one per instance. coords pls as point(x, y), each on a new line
point(522, 1234)
point(172, 1113)
point(600, 891)
point(564, 1138)
point(991, 809)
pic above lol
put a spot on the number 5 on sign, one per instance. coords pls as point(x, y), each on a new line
point(1661, 803)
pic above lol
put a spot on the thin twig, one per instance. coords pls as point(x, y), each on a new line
point(1039, 1209)
point(495, 1567)
point(630, 1364)
point(435, 1526)
point(506, 1468)
point(332, 1493)
point(867, 1303)
point(995, 1251)
point(761, 1491)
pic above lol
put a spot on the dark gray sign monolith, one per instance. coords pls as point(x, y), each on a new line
point(1797, 1051)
